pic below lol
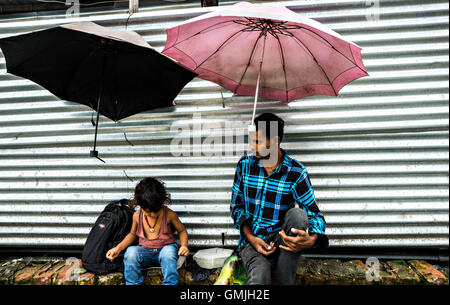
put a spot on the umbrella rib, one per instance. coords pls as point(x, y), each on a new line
point(43, 51)
point(201, 32)
point(75, 74)
point(249, 60)
point(190, 57)
point(332, 47)
point(323, 71)
point(329, 44)
point(284, 66)
point(218, 49)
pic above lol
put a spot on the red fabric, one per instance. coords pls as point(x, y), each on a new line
point(164, 238)
point(300, 58)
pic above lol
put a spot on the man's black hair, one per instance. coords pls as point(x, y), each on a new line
point(268, 117)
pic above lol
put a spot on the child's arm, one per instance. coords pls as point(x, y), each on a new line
point(126, 242)
point(182, 233)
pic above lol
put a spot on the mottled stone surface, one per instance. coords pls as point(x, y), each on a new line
point(152, 276)
point(47, 273)
point(428, 272)
point(356, 271)
point(87, 279)
point(25, 275)
point(72, 273)
point(405, 274)
point(444, 271)
point(111, 279)
point(309, 272)
point(387, 275)
point(8, 270)
point(331, 272)
point(336, 273)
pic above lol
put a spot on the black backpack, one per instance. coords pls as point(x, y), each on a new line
point(110, 228)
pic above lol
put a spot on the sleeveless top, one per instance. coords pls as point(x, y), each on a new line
point(164, 238)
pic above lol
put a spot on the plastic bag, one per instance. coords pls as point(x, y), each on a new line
point(232, 273)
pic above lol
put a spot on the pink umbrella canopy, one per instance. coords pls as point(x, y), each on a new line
point(265, 51)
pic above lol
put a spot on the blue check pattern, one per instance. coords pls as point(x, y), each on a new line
point(262, 201)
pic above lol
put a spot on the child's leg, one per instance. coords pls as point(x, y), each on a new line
point(135, 258)
point(168, 258)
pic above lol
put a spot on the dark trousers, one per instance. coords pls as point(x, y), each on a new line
point(283, 264)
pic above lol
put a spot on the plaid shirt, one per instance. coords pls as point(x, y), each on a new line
point(262, 201)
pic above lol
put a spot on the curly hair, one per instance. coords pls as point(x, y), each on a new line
point(151, 195)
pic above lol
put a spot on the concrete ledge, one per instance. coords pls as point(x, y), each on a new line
point(310, 272)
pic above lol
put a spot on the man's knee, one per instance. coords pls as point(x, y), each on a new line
point(296, 218)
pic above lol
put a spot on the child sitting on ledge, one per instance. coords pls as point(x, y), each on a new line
point(152, 224)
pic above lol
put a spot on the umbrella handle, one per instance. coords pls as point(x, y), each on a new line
point(94, 153)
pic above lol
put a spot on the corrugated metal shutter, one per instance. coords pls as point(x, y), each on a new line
point(377, 154)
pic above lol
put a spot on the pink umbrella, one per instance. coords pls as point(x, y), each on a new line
point(266, 51)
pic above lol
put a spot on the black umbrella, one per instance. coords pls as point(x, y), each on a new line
point(114, 72)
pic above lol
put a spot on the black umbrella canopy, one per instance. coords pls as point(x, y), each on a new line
point(77, 61)
point(114, 72)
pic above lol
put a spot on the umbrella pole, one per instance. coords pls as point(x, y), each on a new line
point(256, 94)
point(252, 126)
point(94, 153)
point(257, 82)
point(96, 126)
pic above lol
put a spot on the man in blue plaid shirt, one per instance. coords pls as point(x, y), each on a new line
point(265, 188)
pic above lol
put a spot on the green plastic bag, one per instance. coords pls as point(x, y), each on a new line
point(232, 273)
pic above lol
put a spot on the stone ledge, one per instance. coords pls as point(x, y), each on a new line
point(310, 272)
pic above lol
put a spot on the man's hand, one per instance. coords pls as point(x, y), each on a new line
point(261, 246)
point(297, 243)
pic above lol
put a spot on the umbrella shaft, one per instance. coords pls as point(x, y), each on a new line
point(256, 95)
point(98, 101)
point(257, 82)
point(96, 127)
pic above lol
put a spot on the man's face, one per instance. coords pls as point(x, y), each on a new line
point(261, 145)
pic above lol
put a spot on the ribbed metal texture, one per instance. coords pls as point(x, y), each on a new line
point(378, 154)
